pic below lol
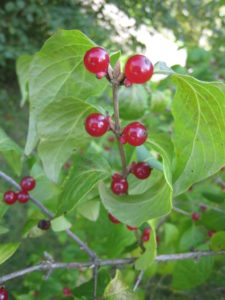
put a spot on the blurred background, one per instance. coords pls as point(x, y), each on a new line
point(188, 35)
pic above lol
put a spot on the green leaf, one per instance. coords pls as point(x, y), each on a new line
point(133, 102)
point(7, 250)
point(199, 130)
point(189, 273)
point(191, 238)
point(57, 71)
point(135, 209)
point(161, 68)
point(3, 207)
point(23, 71)
point(90, 210)
point(87, 172)
point(118, 290)
point(61, 129)
point(11, 152)
point(148, 257)
point(60, 224)
point(3, 230)
point(171, 233)
point(217, 241)
point(30, 229)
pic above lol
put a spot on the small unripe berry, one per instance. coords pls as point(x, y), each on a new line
point(10, 197)
point(44, 224)
point(138, 69)
point(195, 217)
point(146, 234)
point(132, 228)
point(22, 197)
point(141, 170)
point(96, 60)
point(113, 219)
point(134, 134)
point(211, 232)
point(119, 186)
point(3, 294)
point(27, 183)
point(97, 125)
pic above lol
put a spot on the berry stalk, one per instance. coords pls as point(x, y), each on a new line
point(115, 88)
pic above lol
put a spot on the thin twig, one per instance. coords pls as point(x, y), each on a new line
point(181, 211)
point(138, 280)
point(115, 88)
point(45, 266)
point(51, 215)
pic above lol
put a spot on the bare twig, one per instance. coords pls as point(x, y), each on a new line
point(139, 278)
point(51, 215)
point(181, 211)
point(100, 263)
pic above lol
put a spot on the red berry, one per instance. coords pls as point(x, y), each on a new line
point(111, 139)
point(67, 165)
point(119, 186)
point(203, 208)
point(107, 148)
point(132, 228)
point(67, 292)
point(97, 124)
point(23, 197)
point(113, 219)
point(3, 294)
point(117, 176)
point(127, 83)
point(27, 183)
point(138, 69)
point(146, 234)
point(195, 217)
point(222, 169)
point(44, 224)
point(10, 197)
point(96, 60)
point(211, 232)
point(141, 170)
point(134, 134)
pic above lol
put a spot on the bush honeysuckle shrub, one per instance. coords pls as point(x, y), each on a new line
point(133, 166)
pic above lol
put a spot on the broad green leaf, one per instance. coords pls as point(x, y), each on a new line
point(23, 72)
point(57, 71)
point(147, 258)
point(161, 68)
point(171, 233)
point(199, 130)
point(88, 170)
point(3, 230)
point(118, 290)
point(61, 129)
point(190, 273)
point(213, 220)
point(90, 210)
point(3, 207)
point(133, 102)
point(60, 224)
point(217, 241)
point(161, 144)
point(11, 152)
point(135, 209)
point(7, 250)
point(143, 154)
point(191, 238)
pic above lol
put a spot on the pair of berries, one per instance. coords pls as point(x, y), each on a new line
point(134, 133)
point(119, 185)
point(116, 221)
point(3, 294)
point(27, 184)
point(138, 68)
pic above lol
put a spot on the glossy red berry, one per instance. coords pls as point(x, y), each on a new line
point(67, 292)
point(27, 183)
point(146, 234)
point(134, 134)
point(138, 69)
point(96, 124)
point(119, 186)
point(96, 60)
point(132, 228)
point(3, 294)
point(195, 217)
point(113, 219)
point(211, 232)
point(141, 170)
point(10, 197)
point(44, 224)
point(22, 197)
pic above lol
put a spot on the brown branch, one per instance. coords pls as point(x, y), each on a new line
point(48, 265)
point(115, 88)
point(47, 212)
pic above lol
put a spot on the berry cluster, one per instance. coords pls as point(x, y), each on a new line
point(27, 184)
point(3, 294)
